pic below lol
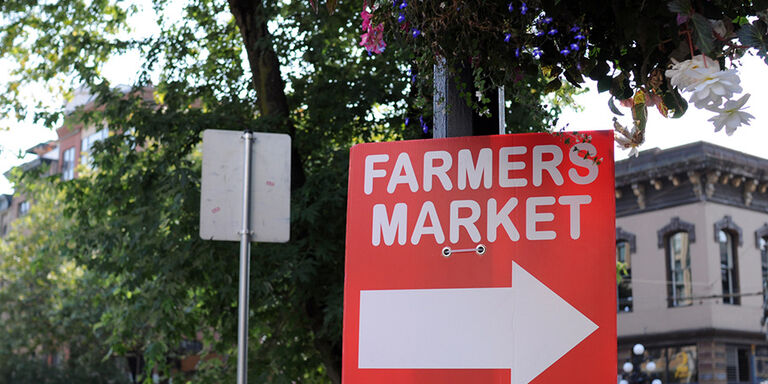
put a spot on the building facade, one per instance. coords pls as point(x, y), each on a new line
point(691, 228)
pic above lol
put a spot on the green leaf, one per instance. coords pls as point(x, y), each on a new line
point(680, 6)
point(703, 36)
point(613, 108)
point(750, 35)
point(760, 5)
point(553, 85)
point(676, 103)
point(604, 84)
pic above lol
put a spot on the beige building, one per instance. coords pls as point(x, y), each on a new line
point(692, 226)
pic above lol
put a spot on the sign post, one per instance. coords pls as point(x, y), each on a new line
point(484, 259)
point(245, 256)
point(258, 176)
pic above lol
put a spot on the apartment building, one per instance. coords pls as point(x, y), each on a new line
point(692, 227)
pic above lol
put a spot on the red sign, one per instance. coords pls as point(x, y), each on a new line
point(486, 259)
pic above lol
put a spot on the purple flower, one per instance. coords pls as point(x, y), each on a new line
point(575, 29)
point(540, 33)
point(421, 119)
point(579, 37)
point(507, 37)
point(413, 78)
point(425, 128)
point(574, 47)
point(407, 120)
point(565, 52)
point(546, 20)
point(523, 9)
point(517, 52)
point(536, 52)
point(401, 18)
point(511, 8)
point(552, 31)
point(394, 3)
point(403, 4)
point(416, 32)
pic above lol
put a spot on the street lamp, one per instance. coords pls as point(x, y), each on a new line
point(632, 372)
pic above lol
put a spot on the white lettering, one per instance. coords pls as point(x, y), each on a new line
point(382, 224)
point(474, 172)
point(441, 171)
point(575, 203)
point(428, 211)
point(403, 174)
point(505, 166)
point(501, 218)
point(539, 165)
point(371, 173)
point(532, 217)
point(584, 163)
point(467, 222)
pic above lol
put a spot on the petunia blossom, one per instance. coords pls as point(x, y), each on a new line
point(731, 115)
point(373, 38)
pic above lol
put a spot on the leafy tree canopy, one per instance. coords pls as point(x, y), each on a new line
point(293, 68)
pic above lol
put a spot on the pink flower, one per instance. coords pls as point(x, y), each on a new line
point(373, 37)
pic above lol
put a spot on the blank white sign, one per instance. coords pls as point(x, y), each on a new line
point(221, 200)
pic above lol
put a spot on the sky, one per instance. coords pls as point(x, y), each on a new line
point(660, 132)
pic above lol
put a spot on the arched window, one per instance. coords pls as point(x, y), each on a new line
point(728, 268)
point(675, 238)
point(761, 242)
point(625, 246)
point(728, 236)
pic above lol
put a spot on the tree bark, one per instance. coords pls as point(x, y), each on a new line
point(267, 80)
point(273, 105)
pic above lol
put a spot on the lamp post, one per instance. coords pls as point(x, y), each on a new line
point(632, 372)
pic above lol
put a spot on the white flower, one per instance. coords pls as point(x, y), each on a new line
point(625, 144)
point(731, 116)
point(686, 74)
point(718, 27)
point(628, 139)
point(712, 88)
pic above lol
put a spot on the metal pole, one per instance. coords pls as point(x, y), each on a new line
point(245, 255)
point(502, 112)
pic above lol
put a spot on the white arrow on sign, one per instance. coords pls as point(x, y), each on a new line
point(525, 328)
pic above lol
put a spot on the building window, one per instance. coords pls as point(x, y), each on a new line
point(624, 288)
point(23, 208)
point(670, 364)
point(87, 144)
point(761, 242)
point(737, 364)
point(676, 238)
point(761, 363)
point(729, 237)
point(728, 268)
point(680, 288)
point(625, 247)
point(68, 164)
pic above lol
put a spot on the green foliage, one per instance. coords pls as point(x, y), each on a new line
point(131, 224)
point(48, 304)
point(625, 46)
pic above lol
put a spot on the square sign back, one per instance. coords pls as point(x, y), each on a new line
point(486, 259)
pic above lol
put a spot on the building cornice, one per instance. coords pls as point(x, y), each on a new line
point(688, 174)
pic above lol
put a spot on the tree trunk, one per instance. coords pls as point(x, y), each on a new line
point(273, 105)
point(267, 80)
